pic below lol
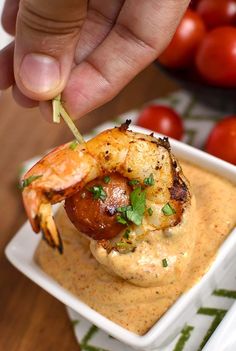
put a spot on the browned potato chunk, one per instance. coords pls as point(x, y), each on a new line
point(93, 209)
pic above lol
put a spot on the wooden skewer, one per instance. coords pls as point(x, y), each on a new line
point(58, 112)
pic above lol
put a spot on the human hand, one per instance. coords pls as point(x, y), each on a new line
point(87, 51)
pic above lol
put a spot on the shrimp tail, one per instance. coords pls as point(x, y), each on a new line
point(48, 227)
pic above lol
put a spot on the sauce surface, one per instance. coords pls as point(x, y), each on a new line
point(138, 308)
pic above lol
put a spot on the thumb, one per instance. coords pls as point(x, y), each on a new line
point(46, 35)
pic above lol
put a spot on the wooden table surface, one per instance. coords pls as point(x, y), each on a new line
point(31, 319)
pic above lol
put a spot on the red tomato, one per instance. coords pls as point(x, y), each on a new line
point(221, 141)
point(181, 51)
point(216, 57)
point(217, 13)
point(162, 119)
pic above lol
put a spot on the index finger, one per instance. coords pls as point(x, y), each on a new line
point(141, 33)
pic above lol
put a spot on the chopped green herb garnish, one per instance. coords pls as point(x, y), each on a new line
point(121, 220)
point(150, 211)
point(26, 182)
point(133, 213)
point(149, 180)
point(133, 182)
point(138, 202)
point(73, 145)
point(126, 234)
point(98, 192)
point(164, 263)
point(123, 209)
point(124, 246)
point(168, 210)
point(107, 179)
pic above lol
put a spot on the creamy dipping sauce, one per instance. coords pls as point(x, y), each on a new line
point(138, 308)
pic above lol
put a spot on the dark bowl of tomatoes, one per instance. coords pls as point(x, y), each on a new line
point(220, 98)
point(201, 56)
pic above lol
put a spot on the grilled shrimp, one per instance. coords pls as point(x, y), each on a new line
point(136, 169)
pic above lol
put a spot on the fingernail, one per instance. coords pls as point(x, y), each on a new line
point(40, 73)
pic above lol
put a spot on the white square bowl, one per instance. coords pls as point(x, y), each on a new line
point(20, 252)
